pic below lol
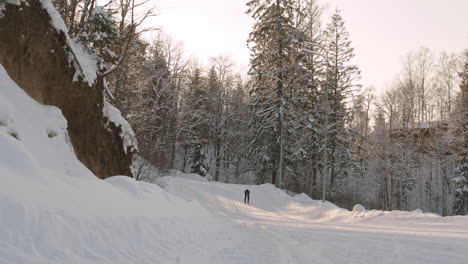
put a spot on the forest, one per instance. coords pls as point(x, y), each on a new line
point(299, 118)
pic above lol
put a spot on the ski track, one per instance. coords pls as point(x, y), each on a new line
point(299, 239)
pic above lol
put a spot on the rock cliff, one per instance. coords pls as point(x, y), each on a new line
point(41, 58)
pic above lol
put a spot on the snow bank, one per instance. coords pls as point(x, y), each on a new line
point(41, 130)
point(14, 157)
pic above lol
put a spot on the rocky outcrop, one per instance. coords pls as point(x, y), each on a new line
point(39, 59)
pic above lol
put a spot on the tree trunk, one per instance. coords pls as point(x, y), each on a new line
point(465, 204)
point(280, 92)
point(218, 158)
point(273, 177)
point(185, 160)
point(314, 180)
point(237, 170)
point(332, 170)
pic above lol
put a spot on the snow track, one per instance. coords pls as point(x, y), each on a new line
point(306, 231)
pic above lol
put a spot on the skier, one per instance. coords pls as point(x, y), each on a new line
point(247, 196)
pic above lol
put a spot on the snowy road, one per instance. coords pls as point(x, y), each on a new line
point(304, 231)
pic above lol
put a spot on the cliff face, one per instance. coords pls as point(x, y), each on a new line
point(39, 59)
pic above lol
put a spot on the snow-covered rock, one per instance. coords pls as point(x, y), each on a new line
point(359, 208)
point(47, 77)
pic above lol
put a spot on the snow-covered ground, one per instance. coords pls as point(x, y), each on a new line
point(300, 230)
point(53, 210)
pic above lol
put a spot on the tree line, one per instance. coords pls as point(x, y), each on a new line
point(299, 119)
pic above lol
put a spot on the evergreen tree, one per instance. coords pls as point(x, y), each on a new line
point(380, 158)
point(194, 121)
point(338, 87)
point(99, 34)
point(271, 44)
point(215, 116)
point(461, 198)
point(238, 133)
point(310, 75)
point(198, 161)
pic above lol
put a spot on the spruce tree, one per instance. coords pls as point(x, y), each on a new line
point(197, 158)
point(99, 35)
point(237, 123)
point(194, 122)
point(310, 77)
point(271, 43)
point(338, 87)
point(461, 195)
point(216, 117)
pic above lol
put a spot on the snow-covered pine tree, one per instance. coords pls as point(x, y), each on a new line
point(311, 62)
point(223, 70)
point(198, 160)
point(461, 198)
point(99, 34)
point(215, 117)
point(271, 42)
point(360, 114)
point(380, 159)
point(341, 77)
point(238, 133)
point(194, 119)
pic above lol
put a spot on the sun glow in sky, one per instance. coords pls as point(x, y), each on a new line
point(382, 31)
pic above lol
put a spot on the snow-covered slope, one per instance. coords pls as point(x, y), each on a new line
point(53, 210)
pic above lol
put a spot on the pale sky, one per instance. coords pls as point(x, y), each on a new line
point(382, 31)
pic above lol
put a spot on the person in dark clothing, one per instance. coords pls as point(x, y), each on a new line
point(247, 196)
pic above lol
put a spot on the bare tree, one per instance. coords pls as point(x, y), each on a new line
point(447, 80)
